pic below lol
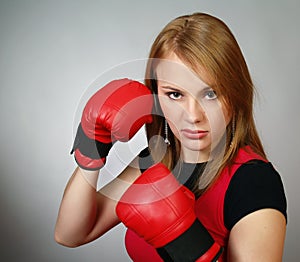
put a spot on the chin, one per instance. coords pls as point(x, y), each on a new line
point(196, 145)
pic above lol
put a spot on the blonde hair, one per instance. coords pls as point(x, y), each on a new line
point(202, 41)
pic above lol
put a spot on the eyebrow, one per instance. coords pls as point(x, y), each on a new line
point(184, 90)
point(170, 88)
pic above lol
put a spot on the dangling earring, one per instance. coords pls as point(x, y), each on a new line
point(166, 133)
point(232, 131)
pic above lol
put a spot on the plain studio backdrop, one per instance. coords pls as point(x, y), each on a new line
point(53, 54)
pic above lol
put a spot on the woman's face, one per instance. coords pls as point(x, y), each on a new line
point(192, 109)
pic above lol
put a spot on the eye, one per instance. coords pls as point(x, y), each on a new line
point(174, 95)
point(210, 94)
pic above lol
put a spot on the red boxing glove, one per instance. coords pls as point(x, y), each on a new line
point(114, 113)
point(161, 211)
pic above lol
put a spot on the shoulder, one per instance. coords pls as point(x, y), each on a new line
point(138, 165)
point(145, 159)
point(256, 172)
point(255, 185)
point(132, 171)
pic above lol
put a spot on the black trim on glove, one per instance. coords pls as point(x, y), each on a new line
point(90, 147)
point(189, 246)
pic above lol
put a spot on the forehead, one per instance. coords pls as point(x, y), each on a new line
point(172, 71)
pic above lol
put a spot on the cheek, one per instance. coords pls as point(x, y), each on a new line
point(226, 113)
point(173, 113)
point(168, 107)
point(218, 120)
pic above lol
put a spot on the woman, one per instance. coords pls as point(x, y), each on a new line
point(203, 110)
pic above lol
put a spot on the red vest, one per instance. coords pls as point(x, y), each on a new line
point(209, 210)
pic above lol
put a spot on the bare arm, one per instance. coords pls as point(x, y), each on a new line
point(86, 214)
point(258, 236)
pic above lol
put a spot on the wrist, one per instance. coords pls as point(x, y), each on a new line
point(89, 153)
point(91, 176)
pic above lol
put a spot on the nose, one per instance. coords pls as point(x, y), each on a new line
point(195, 112)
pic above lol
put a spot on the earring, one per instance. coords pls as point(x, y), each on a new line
point(232, 131)
point(166, 133)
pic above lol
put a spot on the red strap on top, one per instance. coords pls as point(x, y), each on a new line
point(210, 254)
point(139, 250)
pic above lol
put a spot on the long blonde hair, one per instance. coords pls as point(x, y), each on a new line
point(202, 41)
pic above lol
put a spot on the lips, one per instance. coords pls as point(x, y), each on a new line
point(194, 134)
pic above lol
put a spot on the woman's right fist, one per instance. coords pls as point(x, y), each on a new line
point(114, 113)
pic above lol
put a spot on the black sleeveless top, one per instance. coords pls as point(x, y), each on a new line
point(239, 199)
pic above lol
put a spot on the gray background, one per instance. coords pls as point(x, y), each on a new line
point(50, 54)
